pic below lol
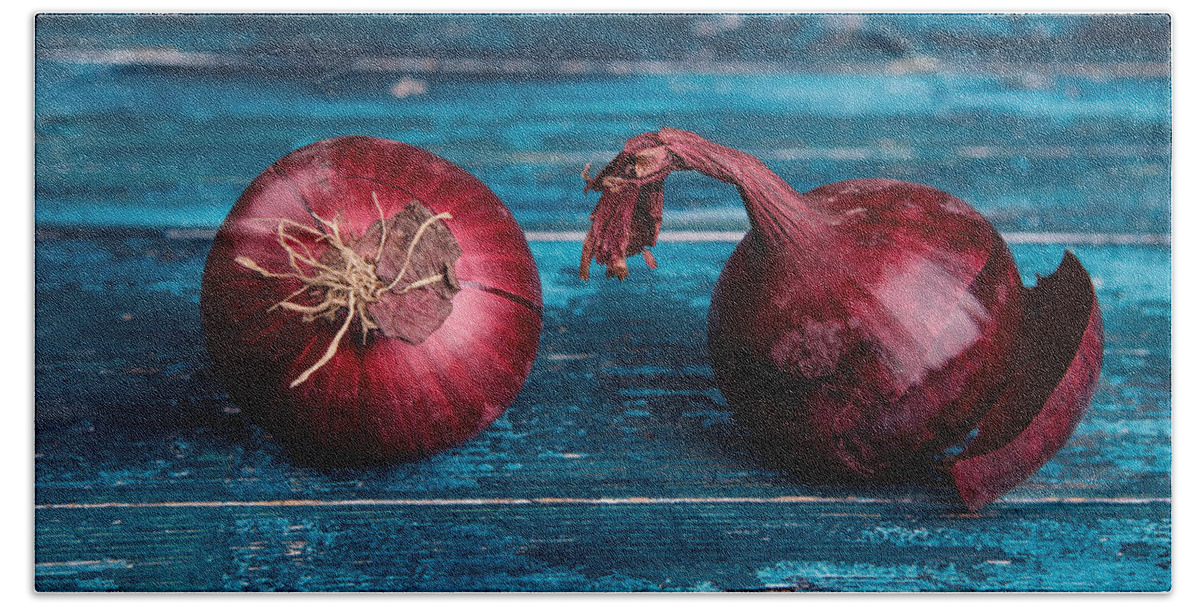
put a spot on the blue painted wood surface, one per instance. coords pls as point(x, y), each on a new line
point(618, 467)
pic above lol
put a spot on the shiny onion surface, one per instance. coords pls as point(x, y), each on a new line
point(869, 328)
point(366, 301)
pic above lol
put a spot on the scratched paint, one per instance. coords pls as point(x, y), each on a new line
point(557, 432)
point(619, 467)
point(586, 547)
point(1081, 145)
point(658, 361)
point(681, 448)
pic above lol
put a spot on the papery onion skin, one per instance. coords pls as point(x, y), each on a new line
point(895, 336)
point(863, 328)
point(1060, 354)
point(384, 400)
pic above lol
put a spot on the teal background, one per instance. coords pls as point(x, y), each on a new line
point(618, 467)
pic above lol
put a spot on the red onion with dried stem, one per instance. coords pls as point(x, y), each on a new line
point(367, 302)
point(862, 329)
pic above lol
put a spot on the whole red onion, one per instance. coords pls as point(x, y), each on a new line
point(865, 327)
point(366, 301)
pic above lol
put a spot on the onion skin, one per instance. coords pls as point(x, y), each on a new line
point(896, 349)
point(861, 329)
point(378, 399)
point(1060, 355)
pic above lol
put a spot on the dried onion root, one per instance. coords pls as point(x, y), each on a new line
point(351, 287)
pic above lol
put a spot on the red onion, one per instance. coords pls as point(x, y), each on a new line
point(865, 328)
point(366, 301)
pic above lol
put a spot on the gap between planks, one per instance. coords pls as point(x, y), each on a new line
point(630, 500)
point(1022, 238)
point(733, 236)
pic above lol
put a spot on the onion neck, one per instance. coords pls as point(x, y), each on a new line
point(628, 216)
point(778, 214)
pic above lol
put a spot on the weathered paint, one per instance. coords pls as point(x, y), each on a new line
point(606, 547)
point(619, 434)
point(618, 468)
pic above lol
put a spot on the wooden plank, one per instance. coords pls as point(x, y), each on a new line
point(130, 135)
point(205, 174)
point(618, 468)
point(556, 546)
point(619, 404)
point(619, 440)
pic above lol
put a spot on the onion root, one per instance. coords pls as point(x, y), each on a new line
point(343, 277)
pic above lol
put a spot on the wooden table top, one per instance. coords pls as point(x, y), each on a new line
point(618, 467)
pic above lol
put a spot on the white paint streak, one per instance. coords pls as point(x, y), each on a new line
point(734, 236)
point(1020, 238)
point(1070, 238)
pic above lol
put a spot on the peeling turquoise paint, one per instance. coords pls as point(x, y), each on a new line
point(148, 479)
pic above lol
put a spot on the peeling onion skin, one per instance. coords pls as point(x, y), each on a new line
point(860, 329)
point(384, 400)
point(1059, 359)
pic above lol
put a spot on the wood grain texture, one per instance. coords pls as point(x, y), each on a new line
point(617, 468)
point(586, 547)
point(1050, 122)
